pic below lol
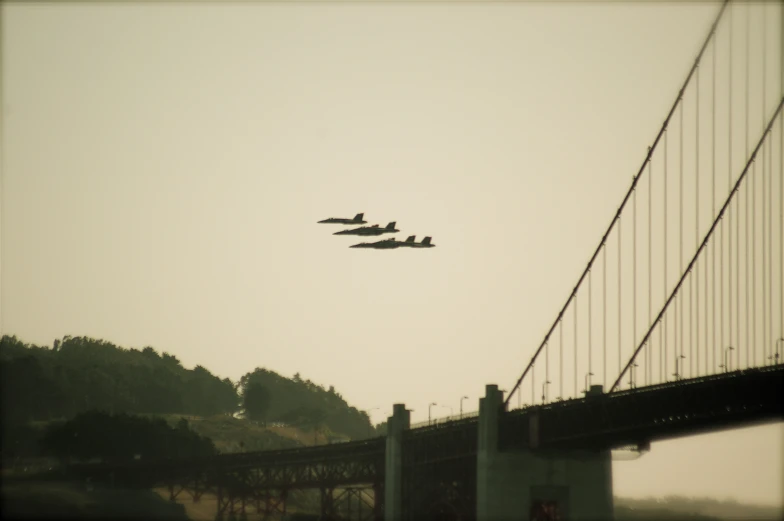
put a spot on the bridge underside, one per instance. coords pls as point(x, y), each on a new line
point(648, 414)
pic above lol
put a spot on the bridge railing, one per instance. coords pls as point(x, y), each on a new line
point(445, 419)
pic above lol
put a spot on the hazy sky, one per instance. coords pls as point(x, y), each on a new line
point(164, 167)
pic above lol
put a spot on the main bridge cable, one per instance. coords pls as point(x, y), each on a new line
point(704, 241)
point(623, 203)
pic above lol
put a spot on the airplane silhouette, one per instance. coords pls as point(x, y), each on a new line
point(369, 230)
point(391, 244)
point(410, 243)
point(386, 244)
point(358, 219)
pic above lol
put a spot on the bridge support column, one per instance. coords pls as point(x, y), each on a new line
point(522, 484)
point(393, 478)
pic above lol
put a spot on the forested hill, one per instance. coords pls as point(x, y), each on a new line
point(80, 374)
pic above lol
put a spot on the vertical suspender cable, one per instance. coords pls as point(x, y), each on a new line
point(590, 329)
point(560, 339)
point(697, 218)
point(713, 199)
point(663, 349)
point(679, 299)
point(750, 185)
point(634, 268)
point(604, 315)
point(576, 390)
point(619, 294)
point(765, 284)
point(729, 187)
point(781, 183)
point(649, 370)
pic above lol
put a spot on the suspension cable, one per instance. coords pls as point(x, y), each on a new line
point(752, 181)
point(729, 187)
point(590, 332)
point(576, 391)
point(619, 295)
point(623, 203)
point(713, 199)
point(663, 351)
point(696, 278)
point(705, 240)
point(648, 369)
point(561, 378)
point(634, 267)
point(604, 315)
point(678, 305)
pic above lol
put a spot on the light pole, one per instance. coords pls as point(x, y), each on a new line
point(677, 375)
point(632, 374)
point(725, 365)
point(544, 392)
point(461, 405)
point(429, 407)
point(451, 410)
point(370, 422)
point(775, 356)
point(588, 375)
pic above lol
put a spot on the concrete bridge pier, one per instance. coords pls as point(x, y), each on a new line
point(393, 468)
point(523, 484)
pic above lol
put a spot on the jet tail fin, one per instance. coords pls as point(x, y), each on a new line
point(359, 216)
point(391, 226)
point(426, 240)
point(411, 239)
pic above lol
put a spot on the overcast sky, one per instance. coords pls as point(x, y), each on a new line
point(164, 167)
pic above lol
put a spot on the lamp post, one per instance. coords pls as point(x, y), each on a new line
point(544, 392)
point(587, 376)
point(461, 405)
point(632, 374)
point(776, 355)
point(429, 408)
point(451, 410)
point(727, 360)
point(677, 374)
point(370, 422)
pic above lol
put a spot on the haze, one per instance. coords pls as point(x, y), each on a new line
point(164, 167)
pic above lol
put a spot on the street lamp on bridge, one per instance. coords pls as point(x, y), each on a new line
point(677, 375)
point(726, 365)
point(587, 376)
point(632, 374)
point(461, 405)
point(544, 391)
point(429, 408)
point(370, 422)
point(775, 356)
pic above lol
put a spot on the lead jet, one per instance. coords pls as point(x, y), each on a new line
point(411, 243)
point(358, 219)
point(386, 244)
point(369, 230)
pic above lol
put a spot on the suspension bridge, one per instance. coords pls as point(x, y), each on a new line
point(674, 327)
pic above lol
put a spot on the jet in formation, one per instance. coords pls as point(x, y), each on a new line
point(369, 230)
point(390, 244)
point(358, 219)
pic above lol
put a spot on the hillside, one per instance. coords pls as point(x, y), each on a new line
point(42, 384)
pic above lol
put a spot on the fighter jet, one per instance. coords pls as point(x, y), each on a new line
point(369, 230)
point(358, 219)
point(410, 243)
point(386, 244)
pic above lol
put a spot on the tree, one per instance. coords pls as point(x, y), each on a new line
point(256, 401)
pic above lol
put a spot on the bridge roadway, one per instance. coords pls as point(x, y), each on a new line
point(633, 416)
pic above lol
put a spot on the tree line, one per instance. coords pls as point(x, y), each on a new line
point(80, 375)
